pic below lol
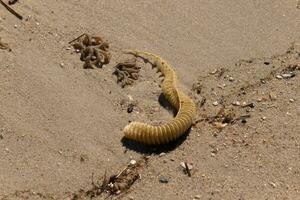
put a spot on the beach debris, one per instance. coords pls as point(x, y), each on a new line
point(10, 2)
point(292, 100)
point(197, 87)
point(127, 72)
point(163, 179)
point(250, 105)
point(215, 103)
point(11, 10)
point(4, 46)
point(186, 168)
point(220, 125)
point(272, 96)
point(93, 50)
point(116, 184)
point(236, 103)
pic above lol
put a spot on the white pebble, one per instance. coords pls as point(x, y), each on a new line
point(132, 162)
point(279, 76)
point(215, 103)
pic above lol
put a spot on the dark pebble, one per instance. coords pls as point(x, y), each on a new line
point(163, 179)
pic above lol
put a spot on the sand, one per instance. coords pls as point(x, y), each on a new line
point(60, 124)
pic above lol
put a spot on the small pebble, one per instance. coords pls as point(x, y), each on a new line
point(132, 162)
point(279, 77)
point(244, 121)
point(163, 179)
point(287, 75)
point(162, 154)
point(236, 103)
point(62, 65)
point(263, 118)
point(292, 100)
point(16, 26)
point(197, 197)
point(272, 96)
point(273, 184)
point(231, 79)
point(214, 71)
point(215, 103)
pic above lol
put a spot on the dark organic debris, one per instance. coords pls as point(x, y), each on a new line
point(10, 2)
point(11, 10)
point(127, 72)
point(93, 50)
point(116, 184)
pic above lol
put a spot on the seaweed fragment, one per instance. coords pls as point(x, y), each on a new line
point(127, 72)
point(93, 50)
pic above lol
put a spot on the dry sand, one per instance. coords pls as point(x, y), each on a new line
point(59, 125)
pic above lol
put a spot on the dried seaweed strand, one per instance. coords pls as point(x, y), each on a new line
point(11, 10)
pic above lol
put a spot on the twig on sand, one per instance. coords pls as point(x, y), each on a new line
point(11, 10)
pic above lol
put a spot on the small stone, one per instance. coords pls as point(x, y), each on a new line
point(132, 162)
point(68, 48)
point(236, 103)
point(263, 118)
point(60, 152)
point(272, 96)
point(215, 103)
point(214, 71)
point(162, 154)
point(273, 184)
point(279, 77)
point(163, 179)
point(16, 26)
point(231, 79)
point(6, 149)
point(130, 97)
point(130, 107)
point(292, 100)
point(220, 125)
point(290, 75)
point(197, 197)
point(244, 121)
point(62, 65)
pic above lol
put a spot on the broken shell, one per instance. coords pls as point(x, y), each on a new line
point(220, 125)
